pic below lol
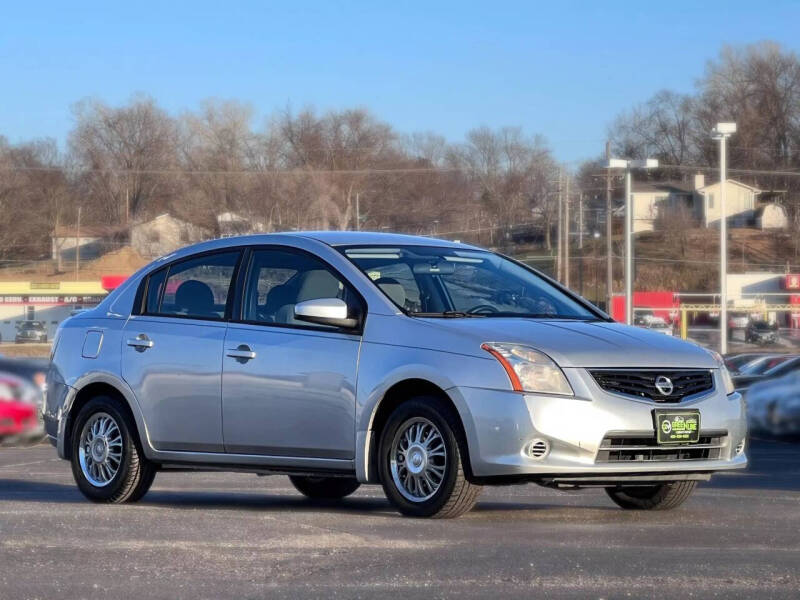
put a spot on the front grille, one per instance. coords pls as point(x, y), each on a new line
point(642, 447)
point(642, 383)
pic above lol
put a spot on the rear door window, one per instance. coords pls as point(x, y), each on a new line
point(195, 288)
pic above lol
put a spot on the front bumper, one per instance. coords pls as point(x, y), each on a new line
point(500, 425)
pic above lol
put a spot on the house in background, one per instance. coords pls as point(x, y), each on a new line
point(165, 234)
point(699, 204)
point(653, 201)
point(740, 203)
point(231, 224)
point(93, 241)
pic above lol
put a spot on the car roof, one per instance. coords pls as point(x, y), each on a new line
point(331, 238)
point(373, 238)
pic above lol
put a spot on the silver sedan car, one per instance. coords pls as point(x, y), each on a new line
point(432, 368)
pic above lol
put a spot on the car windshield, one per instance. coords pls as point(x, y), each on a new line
point(30, 325)
point(450, 282)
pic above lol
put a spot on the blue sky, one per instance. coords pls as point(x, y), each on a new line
point(561, 69)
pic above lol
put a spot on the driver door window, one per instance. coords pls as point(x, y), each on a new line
point(278, 280)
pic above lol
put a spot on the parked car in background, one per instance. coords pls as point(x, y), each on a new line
point(31, 331)
point(761, 332)
point(734, 362)
point(430, 367)
point(786, 365)
point(773, 406)
point(32, 370)
point(763, 363)
point(659, 325)
point(20, 409)
point(738, 322)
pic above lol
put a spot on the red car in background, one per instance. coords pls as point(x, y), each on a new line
point(17, 419)
point(20, 403)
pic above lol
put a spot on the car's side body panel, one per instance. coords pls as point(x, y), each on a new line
point(295, 397)
point(176, 380)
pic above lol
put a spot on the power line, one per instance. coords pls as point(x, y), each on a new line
point(239, 172)
point(742, 171)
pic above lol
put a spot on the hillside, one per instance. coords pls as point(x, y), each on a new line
point(684, 261)
point(688, 260)
point(124, 261)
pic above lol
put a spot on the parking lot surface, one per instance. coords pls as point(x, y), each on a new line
point(227, 535)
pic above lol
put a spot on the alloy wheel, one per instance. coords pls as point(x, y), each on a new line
point(100, 449)
point(418, 459)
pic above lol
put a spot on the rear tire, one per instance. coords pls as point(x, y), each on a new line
point(107, 459)
point(421, 462)
point(324, 488)
point(665, 496)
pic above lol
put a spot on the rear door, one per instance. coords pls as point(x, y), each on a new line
point(172, 352)
point(288, 387)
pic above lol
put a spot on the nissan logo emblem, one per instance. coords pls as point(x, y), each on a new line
point(664, 385)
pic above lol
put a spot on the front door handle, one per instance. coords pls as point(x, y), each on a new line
point(242, 353)
point(141, 342)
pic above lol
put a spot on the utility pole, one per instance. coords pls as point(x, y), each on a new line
point(566, 237)
point(609, 231)
point(57, 245)
point(358, 214)
point(580, 240)
point(78, 246)
point(559, 229)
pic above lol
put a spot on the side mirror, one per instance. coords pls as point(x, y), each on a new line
point(325, 311)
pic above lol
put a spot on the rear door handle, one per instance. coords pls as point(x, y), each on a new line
point(242, 353)
point(141, 342)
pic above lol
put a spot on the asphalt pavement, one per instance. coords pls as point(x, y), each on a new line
point(228, 535)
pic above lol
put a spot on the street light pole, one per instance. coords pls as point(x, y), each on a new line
point(628, 248)
point(628, 165)
point(722, 132)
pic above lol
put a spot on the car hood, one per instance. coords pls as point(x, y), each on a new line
point(581, 344)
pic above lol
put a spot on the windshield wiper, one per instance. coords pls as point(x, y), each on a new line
point(447, 314)
point(517, 315)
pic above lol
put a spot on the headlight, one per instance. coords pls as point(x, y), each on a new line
point(726, 375)
point(529, 370)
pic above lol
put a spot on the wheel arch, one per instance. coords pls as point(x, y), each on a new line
point(92, 386)
point(396, 394)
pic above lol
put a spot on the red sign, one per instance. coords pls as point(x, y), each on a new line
point(792, 281)
point(112, 282)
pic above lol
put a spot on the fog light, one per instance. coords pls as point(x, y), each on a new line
point(537, 449)
point(740, 448)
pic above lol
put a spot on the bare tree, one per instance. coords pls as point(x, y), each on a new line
point(126, 155)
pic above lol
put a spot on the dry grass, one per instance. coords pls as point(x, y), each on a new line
point(25, 350)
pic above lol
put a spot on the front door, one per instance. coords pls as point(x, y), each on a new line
point(172, 352)
point(288, 387)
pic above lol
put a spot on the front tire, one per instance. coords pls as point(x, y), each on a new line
point(421, 463)
point(665, 496)
point(324, 488)
point(107, 459)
